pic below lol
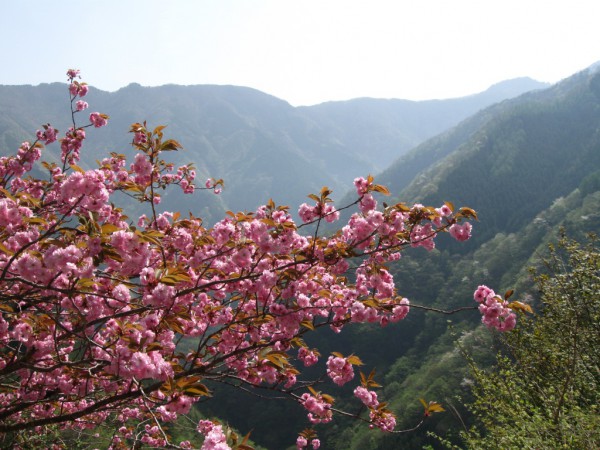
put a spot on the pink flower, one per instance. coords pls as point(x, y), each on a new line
point(307, 213)
point(81, 105)
point(461, 232)
point(73, 73)
point(98, 120)
point(367, 203)
point(319, 410)
point(140, 138)
point(308, 357)
point(385, 421)
point(78, 89)
point(400, 311)
point(422, 236)
point(301, 442)
point(361, 185)
point(214, 437)
point(339, 370)
point(482, 293)
point(330, 213)
point(494, 310)
point(369, 398)
point(142, 168)
point(444, 210)
point(48, 135)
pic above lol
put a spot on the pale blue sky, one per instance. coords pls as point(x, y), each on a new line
point(302, 51)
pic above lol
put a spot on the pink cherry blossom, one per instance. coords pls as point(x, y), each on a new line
point(339, 370)
point(48, 136)
point(461, 232)
point(98, 120)
point(80, 105)
point(73, 73)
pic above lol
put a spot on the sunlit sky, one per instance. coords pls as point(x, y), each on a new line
point(302, 51)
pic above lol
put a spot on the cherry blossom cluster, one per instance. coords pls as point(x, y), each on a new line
point(318, 407)
point(310, 213)
point(495, 311)
point(340, 370)
point(71, 144)
point(48, 136)
point(214, 437)
point(98, 314)
point(96, 119)
point(378, 415)
point(302, 443)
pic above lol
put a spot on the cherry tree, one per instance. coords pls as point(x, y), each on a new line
point(110, 319)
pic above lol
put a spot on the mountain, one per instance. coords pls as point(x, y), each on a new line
point(260, 145)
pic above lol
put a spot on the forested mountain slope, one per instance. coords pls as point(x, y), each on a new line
point(512, 160)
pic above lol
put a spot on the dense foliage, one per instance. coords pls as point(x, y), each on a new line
point(544, 391)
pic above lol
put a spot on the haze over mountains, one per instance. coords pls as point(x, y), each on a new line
point(261, 146)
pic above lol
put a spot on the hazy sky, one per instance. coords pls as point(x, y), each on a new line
point(303, 51)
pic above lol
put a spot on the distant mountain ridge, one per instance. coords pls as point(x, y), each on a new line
point(380, 130)
point(260, 145)
point(511, 160)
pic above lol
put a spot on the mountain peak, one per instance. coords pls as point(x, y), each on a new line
point(515, 87)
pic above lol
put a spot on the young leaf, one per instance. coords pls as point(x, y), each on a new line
point(520, 307)
point(197, 390)
point(308, 324)
point(381, 189)
point(355, 360)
